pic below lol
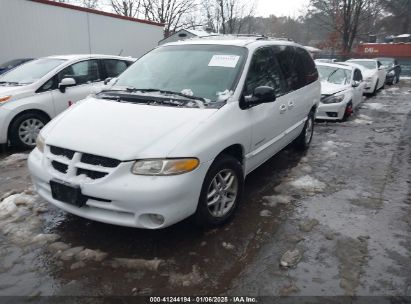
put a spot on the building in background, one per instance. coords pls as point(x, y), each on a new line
point(400, 50)
point(36, 28)
point(186, 34)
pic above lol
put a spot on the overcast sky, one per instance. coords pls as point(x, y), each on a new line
point(291, 8)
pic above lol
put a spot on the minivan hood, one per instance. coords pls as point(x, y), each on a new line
point(328, 88)
point(125, 131)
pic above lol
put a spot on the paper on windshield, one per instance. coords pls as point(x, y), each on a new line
point(227, 61)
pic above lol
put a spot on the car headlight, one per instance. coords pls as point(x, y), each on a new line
point(332, 99)
point(40, 143)
point(391, 73)
point(5, 98)
point(164, 166)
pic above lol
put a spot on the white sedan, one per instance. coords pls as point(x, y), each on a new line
point(341, 90)
point(374, 74)
point(35, 92)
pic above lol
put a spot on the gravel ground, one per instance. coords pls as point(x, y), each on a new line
point(332, 221)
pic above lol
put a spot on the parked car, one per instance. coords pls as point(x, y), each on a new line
point(176, 134)
point(393, 69)
point(374, 74)
point(325, 60)
point(9, 65)
point(33, 93)
point(342, 88)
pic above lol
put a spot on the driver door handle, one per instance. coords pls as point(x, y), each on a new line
point(290, 104)
point(283, 108)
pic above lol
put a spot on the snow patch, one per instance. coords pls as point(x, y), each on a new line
point(14, 159)
point(308, 183)
point(274, 200)
point(265, 213)
point(186, 280)
point(374, 106)
point(152, 265)
point(187, 92)
point(223, 96)
point(227, 245)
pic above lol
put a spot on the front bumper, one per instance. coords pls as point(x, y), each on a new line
point(332, 111)
point(5, 118)
point(122, 198)
point(389, 78)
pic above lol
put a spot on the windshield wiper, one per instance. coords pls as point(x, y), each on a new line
point(9, 82)
point(133, 90)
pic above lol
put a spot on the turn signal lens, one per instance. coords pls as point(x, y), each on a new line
point(165, 166)
point(5, 98)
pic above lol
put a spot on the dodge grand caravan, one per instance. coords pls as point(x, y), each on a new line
point(177, 132)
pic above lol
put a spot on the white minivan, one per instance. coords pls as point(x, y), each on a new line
point(176, 133)
point(35, 92)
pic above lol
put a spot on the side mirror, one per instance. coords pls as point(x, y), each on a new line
point(65, 83)
point(355, 83)
point(260, 95)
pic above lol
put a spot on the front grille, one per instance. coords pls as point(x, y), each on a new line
point(92, 166)
point(59, 166)
point(99, 160)
point(91, 173)
point(62, 152)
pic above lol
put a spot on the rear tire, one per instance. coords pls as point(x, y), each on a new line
point(303, 141)
point(24, 129)
point(221, 192)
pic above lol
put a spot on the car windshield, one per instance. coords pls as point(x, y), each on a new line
point(11, 63)
point(31, 71)
point(209, 72)
point(366, 64)
point(387, 62)
point(334, 75)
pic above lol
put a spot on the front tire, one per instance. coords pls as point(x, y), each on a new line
point(375, 88)
point(221, 192)
point(303, 141)
point(348, 111)
point(25, 128)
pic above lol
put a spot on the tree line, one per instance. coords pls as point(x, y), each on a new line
point(336, 24)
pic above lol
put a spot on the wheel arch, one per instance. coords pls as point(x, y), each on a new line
point(236, 151)
point(37, 111)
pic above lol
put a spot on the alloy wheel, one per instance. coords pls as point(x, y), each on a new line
point(29, 130)
point(222, 193)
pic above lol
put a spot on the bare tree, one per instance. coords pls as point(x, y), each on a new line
point(93, 4)
point(170, 12)
point(228, 16)
point(129, 8)
point(348, 18)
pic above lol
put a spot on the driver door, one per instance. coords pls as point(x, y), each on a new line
point(86, 74)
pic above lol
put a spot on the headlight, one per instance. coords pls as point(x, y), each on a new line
point(5, 98)
point(333, 99)
point(391, 73)
point(164, 166)
point(40, 143)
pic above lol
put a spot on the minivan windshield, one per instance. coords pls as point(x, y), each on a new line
point(31, 71)
point(206, 71)
point(334, 75)
point(366, 64)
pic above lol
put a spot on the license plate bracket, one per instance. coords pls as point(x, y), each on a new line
point(67, 193)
